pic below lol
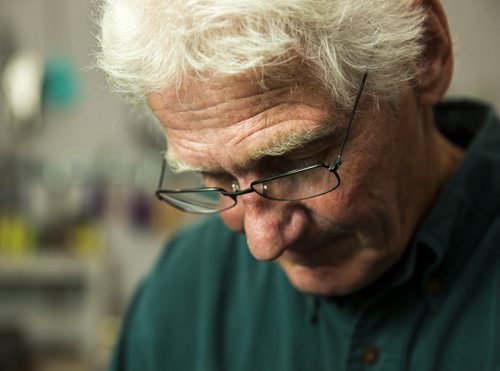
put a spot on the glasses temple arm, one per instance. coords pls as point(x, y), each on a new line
point(351, 118)
point(163, 166)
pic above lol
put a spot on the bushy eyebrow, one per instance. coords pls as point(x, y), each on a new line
point(278, 147)
point(282, 144)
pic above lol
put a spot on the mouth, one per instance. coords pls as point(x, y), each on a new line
point(331, 252)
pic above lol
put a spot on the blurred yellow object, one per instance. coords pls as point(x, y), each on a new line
point(16, 237)
point(85, 241)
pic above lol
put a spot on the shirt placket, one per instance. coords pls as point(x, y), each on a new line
point(382, 334)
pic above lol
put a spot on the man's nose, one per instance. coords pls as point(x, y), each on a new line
point(270, 226)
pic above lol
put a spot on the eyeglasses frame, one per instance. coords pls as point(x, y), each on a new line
point(332, 167)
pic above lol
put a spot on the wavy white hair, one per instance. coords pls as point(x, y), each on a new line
point(148, 45)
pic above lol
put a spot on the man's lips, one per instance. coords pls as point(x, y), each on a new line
point(316, 243)
point(328, 251)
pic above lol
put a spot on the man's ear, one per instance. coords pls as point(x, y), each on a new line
point(437, 62)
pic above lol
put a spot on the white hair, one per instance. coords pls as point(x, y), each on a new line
point(149, 45)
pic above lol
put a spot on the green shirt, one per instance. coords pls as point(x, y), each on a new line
point(208, 305)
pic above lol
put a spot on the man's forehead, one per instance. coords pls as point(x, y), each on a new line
point(240, 119)
point(196, 95)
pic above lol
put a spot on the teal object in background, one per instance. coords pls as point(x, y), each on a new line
point(60, 84)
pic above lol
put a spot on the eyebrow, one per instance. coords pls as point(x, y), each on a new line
point(279, 145)
point(282, 144)
point(177, 166)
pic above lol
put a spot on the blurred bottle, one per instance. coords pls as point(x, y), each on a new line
point(16, 236)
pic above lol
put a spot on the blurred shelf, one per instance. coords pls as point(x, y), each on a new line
point(53, 299)
point(50, 270)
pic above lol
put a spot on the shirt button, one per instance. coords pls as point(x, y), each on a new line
point(370, 356)
point(433, 287)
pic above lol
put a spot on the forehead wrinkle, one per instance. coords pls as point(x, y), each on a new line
point(247, 86)
point(205, 112)
point(207, 102)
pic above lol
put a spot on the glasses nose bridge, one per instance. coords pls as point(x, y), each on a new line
point(258, 197)
point(235, 194)
point(247, 180)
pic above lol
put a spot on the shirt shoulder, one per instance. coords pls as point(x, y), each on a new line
point(194, 300)
point(198, 262)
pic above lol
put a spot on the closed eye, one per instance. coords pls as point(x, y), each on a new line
point(319, 151)
point(219, 180)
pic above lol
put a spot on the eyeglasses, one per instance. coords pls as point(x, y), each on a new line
point(293, 185)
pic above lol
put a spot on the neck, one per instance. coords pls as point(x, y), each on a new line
point(445, 157)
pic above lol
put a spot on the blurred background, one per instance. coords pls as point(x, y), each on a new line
point(79, 225)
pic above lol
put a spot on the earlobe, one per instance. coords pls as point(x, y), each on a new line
point(437, 60)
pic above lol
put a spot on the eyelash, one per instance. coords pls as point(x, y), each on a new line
point(308, 161)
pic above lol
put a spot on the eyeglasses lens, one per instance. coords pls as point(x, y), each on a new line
point(199, 202)
point(301, 185)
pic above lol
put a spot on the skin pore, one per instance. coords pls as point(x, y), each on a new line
point(394, 165)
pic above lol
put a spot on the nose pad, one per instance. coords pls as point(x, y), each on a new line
point(235, 186)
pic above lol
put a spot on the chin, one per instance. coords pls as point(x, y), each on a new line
point(324, 280)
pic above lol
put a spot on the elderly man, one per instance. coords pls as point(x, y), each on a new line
point(359, 219)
